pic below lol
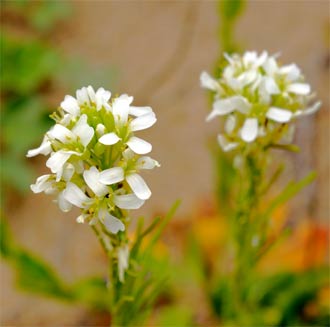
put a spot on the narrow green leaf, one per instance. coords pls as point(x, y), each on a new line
point(163, 224)
point(289, 192)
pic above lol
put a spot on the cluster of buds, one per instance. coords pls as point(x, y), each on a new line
point(95, 159)
point(259, 98)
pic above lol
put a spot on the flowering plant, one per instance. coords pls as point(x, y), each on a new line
point(95, 161)
point(260, 100)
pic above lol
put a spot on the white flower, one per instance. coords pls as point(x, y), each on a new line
point(87, 96)
point(124, 127)
point(77, 197)
point(257, 95)
point(79, 137)
point(134, 180)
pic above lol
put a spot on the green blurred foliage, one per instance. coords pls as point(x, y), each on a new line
point(31, 68)
point(36, 276)
point(40, 15)
point(277, 300)
point(145, 280)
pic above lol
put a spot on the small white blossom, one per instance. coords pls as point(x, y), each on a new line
point(123, 261)
point(258, 96)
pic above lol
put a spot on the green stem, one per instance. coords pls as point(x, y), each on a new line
point(246, 231)
point(109, 253)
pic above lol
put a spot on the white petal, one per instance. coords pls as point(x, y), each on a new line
point(128, 154)
point(78, 166)
point(270, 66)
point(143, 122)
point(120, 108)
point(247, 77)
point(299, 88)
point(138, 145)
point(64, 205)
point(44, 148)
point(102, 97)
point(100, 130)
point(249, 130)
point(220, 108)
point(230, 124)
point(83, 131)
point(81, 218)
point(61, 133)
point(82, 96)
point(76, 196)
point(271, 86)
point(70, 105)
point(261, 59)
point(112, 224)
point(279, 115)
point(111, 175)
point(68, 171)
point(292, 72)
point(225, 106)
point(65, 121)
point(109, 139)
point(123, 261)
point(309, 111)
point(127, 201)
point(57, 160)
point(228, 58)
point(249, 57)
point(138, 186)
point(147, 163)
point(139, 111)
point(42, 183)
point(91, 178)
point(91, 93)
point(209, 82)
point(225, 145)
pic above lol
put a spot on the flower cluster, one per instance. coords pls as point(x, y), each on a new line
point(95, 159)
point(259, 98)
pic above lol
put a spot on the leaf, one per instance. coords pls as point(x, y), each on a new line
point(32, 273)
point(7, 246)
point(163, 224)
point(181, 315)
point(289, 192)
point(93, 292)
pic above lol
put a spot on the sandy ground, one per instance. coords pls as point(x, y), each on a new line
point(160, 48)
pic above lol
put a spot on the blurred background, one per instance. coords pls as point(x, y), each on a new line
point(155, 51)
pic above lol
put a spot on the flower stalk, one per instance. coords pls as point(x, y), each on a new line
point(259, 101)
point(95, 161)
